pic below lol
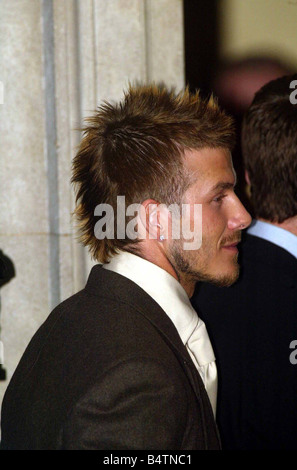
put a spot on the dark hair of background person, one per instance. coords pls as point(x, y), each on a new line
point(235, 85)
point(269, 148)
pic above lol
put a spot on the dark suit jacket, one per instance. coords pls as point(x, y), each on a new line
point(251, 326)
point(107, 370)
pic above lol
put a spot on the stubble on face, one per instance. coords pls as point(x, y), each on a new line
point(191, 266)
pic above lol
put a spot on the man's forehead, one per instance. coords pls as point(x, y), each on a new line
point(210, 170)
point(208, 163)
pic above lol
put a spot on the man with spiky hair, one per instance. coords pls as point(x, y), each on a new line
point(252, 325)
point(127, 363)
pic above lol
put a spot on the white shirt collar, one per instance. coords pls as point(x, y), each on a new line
point(274, 234)
point(161, 286)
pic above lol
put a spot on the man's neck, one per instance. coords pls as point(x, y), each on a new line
point(150, 251)
point(289, 224)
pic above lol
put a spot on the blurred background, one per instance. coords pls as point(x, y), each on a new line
point(58, 60)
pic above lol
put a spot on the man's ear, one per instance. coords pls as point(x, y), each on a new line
point(153, 216)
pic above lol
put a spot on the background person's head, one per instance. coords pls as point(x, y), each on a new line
point(269, 147)
point(136, 148)
point(235, 85)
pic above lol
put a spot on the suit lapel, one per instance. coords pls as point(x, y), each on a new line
point(111, 285)
point(106, 283)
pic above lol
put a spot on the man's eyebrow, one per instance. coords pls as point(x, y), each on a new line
point(222, 186)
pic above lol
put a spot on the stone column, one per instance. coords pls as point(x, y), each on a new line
point(58, 60)
point(24, 177)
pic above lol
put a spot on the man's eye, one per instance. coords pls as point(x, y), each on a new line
point(219, 198)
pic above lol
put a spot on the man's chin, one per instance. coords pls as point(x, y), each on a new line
point(221, 280)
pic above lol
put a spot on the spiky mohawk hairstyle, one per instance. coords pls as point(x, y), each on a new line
point(135, 149)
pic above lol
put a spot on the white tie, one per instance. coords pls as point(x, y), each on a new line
point(200, 350)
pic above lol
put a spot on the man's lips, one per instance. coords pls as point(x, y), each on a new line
point(231, 246)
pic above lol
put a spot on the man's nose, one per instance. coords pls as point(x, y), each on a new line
point(240, 218)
